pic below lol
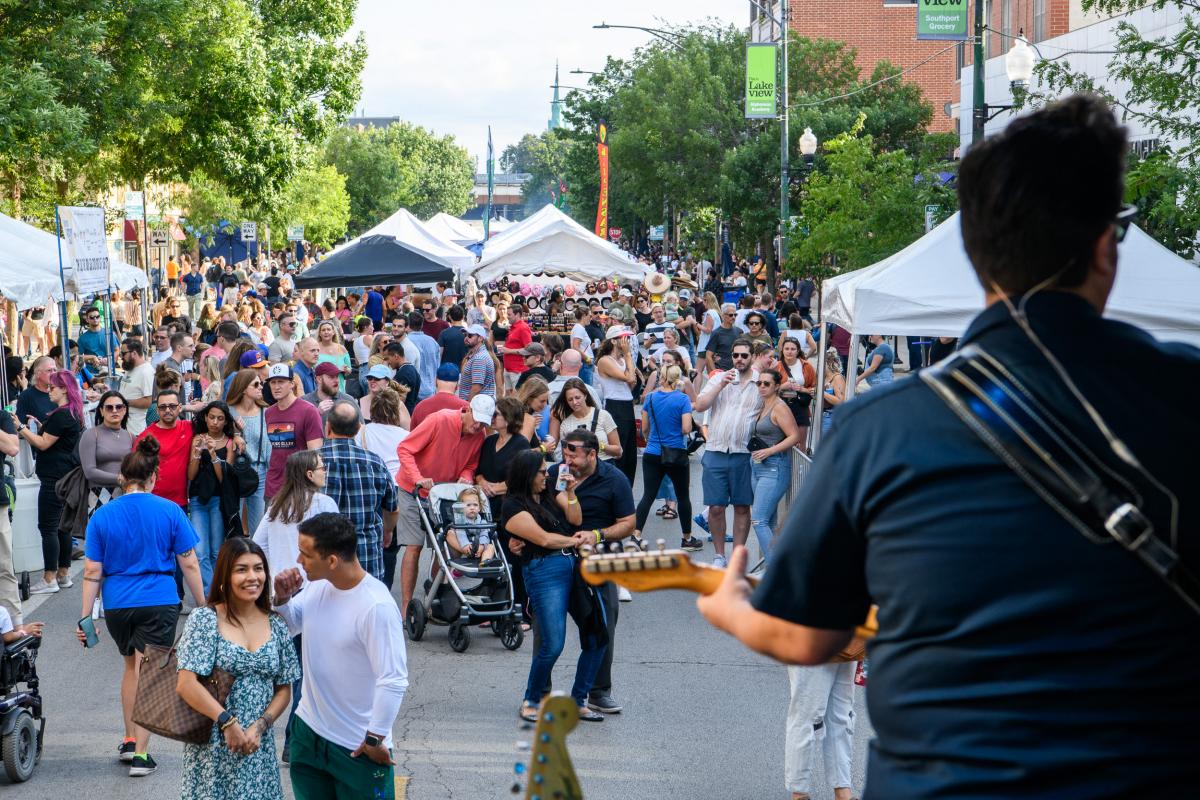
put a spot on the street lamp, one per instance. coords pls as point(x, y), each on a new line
point(585, 72)
point(1018, 64)
point(669, 37)
point(808, 147)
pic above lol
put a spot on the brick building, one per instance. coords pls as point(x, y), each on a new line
point(887, 30)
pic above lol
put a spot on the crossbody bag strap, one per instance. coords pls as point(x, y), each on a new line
point(595, 419)
point(1039, 446)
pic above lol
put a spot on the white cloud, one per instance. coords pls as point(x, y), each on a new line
point(456, 67)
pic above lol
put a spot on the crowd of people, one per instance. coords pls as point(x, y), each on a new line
point(251, 429)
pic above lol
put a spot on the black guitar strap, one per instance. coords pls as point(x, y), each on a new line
point(1037, 445)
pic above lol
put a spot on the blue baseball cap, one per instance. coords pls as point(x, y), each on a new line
point(447, 372)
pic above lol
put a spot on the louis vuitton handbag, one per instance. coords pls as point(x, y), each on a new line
point(158, 707)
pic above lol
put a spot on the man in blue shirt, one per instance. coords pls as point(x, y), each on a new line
point(1016, 656)
point(431, 354)
point(193, 283)
point(91, 341)
point(373, 307)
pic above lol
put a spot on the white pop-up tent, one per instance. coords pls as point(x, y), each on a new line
point(452, 229)
point(929, 288)
point(29, 266)
point(551, 243)
point(411, 232)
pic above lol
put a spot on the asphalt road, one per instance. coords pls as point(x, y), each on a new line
point(703, 717)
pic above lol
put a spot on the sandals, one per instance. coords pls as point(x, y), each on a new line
point(670, 513)
point(528, 713)
point(658, 512)
point(587, 715)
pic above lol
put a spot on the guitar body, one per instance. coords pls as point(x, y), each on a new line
point(641, 571)
point(551, 774)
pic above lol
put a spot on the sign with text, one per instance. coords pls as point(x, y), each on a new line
point(295, 233)
point(942, 20)
point(158, 237)
point(656, 233)
point(135, 205)
point(249, 231)
point(614, 233)
point(601, 229)
point(84, 247)
point(760, 81)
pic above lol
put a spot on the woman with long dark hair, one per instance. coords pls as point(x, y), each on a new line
point(56, 446)
point(491, 476)
point(134, 544)
point(238, 632)
point(616, 373)
point(576, 409)
point(106, 443)
point(213, 499)
point(541, 519)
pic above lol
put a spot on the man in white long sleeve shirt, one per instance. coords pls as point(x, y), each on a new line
point(355, 666)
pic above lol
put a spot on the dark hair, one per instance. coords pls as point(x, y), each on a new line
point(168, 390)
point(742, 341)
point(229, 331)
point(177, 339)
point(416, 321)
point(1036, 197)
point(332, 535)
point(343, 418)
point(561, 410)
point(456, 313)
point(583, 436)
point(134, 346)
point(394, 348)
point(291, 502)
point(218, 592)
point(582, 311)
point(200, 421)
point(522, 471)
point(363, 323)
point(761, 319)
point(237, 387)
point(233, 357)
point(140, 464)
point(513, 412)
point(99, 420)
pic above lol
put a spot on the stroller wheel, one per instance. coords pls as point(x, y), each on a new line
point(414, 620)
point(460, 637)
point(511, 635)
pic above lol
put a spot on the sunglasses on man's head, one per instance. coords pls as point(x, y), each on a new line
point(575, 448)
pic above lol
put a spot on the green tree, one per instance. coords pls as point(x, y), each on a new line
point(1165, 192)
point(400, 166)
point(317, 199)
point(544, 159)
point(862, 206)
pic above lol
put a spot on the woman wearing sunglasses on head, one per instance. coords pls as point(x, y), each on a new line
point(102, 447)
point(246, 402)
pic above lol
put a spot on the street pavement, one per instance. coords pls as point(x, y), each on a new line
point(703, 717)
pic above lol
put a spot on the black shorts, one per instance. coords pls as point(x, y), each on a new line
point(133, 628)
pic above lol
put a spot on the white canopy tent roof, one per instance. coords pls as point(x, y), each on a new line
point(452, 229)
point(406, 228)
point(929, 288)
point(29, 266)
point(551, 243)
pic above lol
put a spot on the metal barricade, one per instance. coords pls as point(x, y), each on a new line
point(801, 464)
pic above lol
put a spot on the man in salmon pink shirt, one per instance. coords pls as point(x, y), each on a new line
point(519, 335)
point(444, 448)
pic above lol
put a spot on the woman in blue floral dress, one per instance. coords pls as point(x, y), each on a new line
point(239, 633)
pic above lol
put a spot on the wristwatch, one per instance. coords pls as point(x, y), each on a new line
point(224, 720)
point(371, 740)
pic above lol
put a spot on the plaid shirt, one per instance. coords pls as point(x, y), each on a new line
point(359, 483)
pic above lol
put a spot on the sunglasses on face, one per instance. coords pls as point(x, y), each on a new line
point(169, 406)
point(754, 323)
point(114, 406)
point(741, 355)
point(765, 383)
point(256, 384)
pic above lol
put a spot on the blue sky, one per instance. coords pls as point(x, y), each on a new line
point(456, 67)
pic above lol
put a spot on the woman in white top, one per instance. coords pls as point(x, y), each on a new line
point(581, 340)
point(385, 433)
point(617, 374)
point(575, 409)
point(245, 400)
point(297, 499)
point(671, 345)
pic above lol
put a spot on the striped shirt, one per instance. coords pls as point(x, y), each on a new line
point(478, 368)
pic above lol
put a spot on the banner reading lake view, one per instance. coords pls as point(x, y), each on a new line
point(760, 81)
point(942, 19)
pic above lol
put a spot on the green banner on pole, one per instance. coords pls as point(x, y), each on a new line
point(942, 19)
point(760, 81)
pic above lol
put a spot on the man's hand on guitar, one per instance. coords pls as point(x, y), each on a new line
point(723, 607)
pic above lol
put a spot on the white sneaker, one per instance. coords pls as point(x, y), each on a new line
point(623, 595)
point(720, 562)
point(65, 582)
point(41, 587)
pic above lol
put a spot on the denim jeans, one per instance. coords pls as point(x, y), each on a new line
point(210, 531)
point(666, 491)
point(256, 507)
point(586, 371)
point(771, 478)
point(820, 725)
point(548, 582)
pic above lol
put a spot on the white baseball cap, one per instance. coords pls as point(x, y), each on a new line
point(279, 371)
point(483, 408)
point(477, 330)
point(617, 331)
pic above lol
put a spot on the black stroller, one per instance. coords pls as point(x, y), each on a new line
point(461, 591)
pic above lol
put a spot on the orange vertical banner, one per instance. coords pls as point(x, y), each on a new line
point(602, 205)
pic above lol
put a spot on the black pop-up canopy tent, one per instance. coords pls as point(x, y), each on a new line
point(374, 261)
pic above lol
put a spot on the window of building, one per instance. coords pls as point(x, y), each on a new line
point(1039, 20)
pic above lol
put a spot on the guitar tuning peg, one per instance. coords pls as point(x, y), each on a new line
point(643, 545)
point(585, 550)
point(661, 544)
point(629, 546)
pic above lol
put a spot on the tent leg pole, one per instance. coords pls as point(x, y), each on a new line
point(852, 367)
point(818, 406)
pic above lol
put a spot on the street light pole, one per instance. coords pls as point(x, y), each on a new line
point(784, 200)
point(978, 105)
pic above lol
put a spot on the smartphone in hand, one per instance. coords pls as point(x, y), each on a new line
point(88, 626)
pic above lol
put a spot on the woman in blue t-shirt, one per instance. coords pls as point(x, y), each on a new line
point(133, 545)
point(880, 360)
point(667, 415)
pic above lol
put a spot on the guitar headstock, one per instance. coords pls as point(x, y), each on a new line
point(551, 774)
point(641, 571)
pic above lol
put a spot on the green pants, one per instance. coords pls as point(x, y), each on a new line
point(322, 770)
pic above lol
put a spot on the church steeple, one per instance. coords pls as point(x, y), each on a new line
point(555, 104)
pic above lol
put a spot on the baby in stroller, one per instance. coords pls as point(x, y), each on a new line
point(471, 542)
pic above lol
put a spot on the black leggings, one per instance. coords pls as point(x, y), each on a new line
point(56, 545)
point(653, 471)
point(622, 414)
